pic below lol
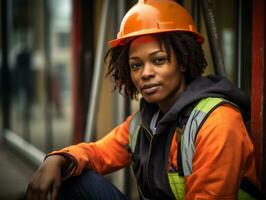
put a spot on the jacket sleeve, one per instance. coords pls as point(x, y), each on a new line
point(106, 155)
point(223, 155)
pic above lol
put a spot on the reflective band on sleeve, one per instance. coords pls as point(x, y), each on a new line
point(133, 130)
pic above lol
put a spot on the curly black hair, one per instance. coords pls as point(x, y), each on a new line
point(187, 50)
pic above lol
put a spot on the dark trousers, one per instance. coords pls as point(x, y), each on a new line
point(89, 185)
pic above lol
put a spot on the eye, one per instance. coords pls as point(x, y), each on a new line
point(134, 66)
point(159, 60)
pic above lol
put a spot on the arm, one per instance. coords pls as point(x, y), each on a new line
point(103, 156)
point(223, 155)
point(106, 155)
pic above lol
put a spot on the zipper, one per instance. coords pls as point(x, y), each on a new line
point(150, 136)
point(146, 169)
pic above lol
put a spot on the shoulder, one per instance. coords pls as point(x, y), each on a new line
point(130, 122)
point(225, 116)
point(224, 123)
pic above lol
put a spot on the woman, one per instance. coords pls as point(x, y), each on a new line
point(187, 141)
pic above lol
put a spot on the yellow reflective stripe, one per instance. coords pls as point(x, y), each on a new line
point(207, 104)
point(242, 195)
point(177, 184)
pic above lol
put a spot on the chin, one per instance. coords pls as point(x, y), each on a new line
point(151, 99)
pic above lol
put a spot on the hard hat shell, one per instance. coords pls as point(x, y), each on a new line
point(154, 16)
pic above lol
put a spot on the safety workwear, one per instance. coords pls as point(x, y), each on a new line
point(155, 16)
point(222, 138)
point(186, 143)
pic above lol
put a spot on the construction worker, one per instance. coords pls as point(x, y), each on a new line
point(187, 141)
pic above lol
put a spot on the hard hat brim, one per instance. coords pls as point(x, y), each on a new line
point(124, 40)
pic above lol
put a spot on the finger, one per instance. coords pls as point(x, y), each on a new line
point(29, 193)
point(35, 193)
point(39, 192)
point(55, 190)
point(30, 188)
point(43, 194)
point(32, 191)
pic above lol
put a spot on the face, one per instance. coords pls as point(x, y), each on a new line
point(156, 77)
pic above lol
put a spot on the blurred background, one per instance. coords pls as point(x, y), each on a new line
point(53, 88)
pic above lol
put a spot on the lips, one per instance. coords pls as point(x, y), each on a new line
point(149, 88)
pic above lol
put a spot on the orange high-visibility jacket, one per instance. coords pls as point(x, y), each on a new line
point(223, 155)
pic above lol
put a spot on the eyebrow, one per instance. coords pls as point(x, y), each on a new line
point(151, 54)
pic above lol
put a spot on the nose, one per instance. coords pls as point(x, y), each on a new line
point(147, 71)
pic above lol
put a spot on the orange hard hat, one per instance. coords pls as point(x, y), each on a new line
point(155, 16)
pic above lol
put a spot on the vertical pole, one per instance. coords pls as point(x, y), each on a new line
point(213, 37)
point(121, 101)
point(97, 74)
point(47, 53)
point(239, 44)
point(87, 57)
point(258, 110)
point(78, 117)
point(196, 13)
point(5, 72)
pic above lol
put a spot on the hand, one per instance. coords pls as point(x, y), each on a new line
point(46, 179)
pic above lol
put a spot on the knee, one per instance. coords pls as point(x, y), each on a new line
point(89, 185)
point(90, 179)
point(77, 187)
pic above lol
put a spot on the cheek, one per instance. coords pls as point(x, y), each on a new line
point(174, 78)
